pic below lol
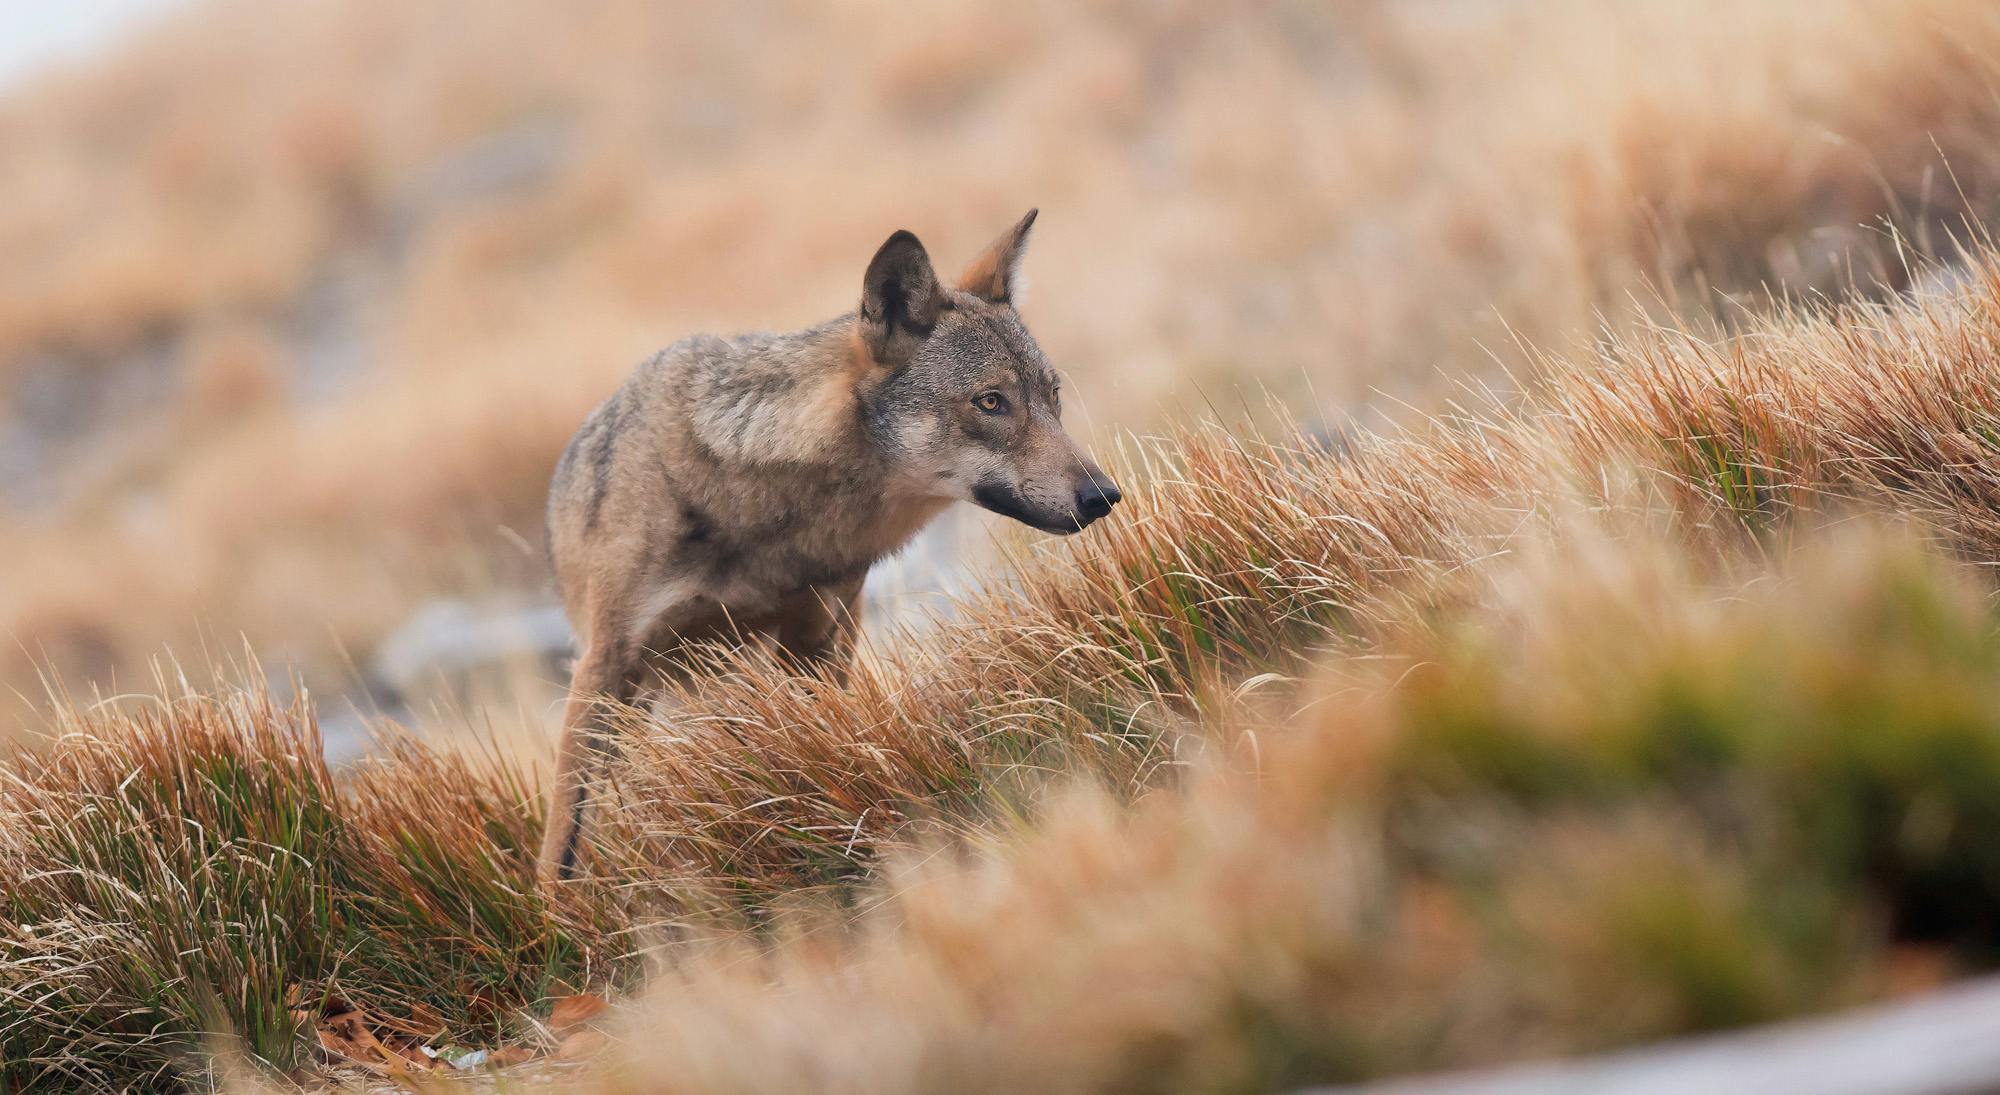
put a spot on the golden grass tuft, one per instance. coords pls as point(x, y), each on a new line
point(187, 868)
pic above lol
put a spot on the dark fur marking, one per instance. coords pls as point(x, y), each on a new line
point(600, 485)
point(603, 445)
point(726, 558)
point(704, 545)
point(566, 859)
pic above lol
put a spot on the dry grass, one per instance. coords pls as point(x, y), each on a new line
point(1345, 750)
point(1335, 202)
point(187, 868)
point(1243, 557)
point(1625, 801)
point(1410, 836)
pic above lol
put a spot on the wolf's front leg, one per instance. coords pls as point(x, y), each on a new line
point(820, 627)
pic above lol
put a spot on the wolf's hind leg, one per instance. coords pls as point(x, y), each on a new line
point(603, 677)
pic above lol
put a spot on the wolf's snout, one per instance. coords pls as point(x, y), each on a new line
point(1095, 498)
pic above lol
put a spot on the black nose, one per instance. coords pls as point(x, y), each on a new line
point(1096, 500)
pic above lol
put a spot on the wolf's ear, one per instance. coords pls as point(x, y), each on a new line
point(992, 274)
point(900, 299)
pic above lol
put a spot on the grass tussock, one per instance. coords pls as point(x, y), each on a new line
point(1629, 799)
point(189, 869)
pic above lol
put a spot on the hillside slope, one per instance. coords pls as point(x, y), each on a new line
point(300, 302)
point(1321, 764)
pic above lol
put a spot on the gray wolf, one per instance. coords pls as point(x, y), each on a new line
point(739, 489)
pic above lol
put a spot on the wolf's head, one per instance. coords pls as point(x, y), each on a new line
point(959, 395)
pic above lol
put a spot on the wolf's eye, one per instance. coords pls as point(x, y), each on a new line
point(991, 403)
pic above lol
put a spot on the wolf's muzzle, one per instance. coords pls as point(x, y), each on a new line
point(1086, 506)
point(1096, 499)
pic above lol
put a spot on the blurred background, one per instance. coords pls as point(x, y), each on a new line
point(299, 301)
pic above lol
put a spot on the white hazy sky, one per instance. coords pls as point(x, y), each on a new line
point(36, 34)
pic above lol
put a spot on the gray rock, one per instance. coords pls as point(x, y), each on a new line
point(449, 640)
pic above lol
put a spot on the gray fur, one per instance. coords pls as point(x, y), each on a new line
point(741, 488)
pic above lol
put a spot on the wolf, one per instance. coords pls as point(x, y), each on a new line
point(739, 489)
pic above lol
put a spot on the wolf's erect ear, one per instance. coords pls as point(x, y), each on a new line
point(992, 274)
point(900, 298)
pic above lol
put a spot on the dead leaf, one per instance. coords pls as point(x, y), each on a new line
point(507, 1056)
point(347, 1039)
point(584, 1043)
point(342, 1051)
point(573, 1011)
point(350, 1038)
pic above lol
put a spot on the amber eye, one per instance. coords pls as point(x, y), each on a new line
point(991, 403)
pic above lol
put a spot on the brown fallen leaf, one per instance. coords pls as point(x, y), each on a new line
point(573, 1011)
point(584, 1043)
point(350, 1038)
point(343, 1052)
point(507, 1056)
point(347, 1039)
